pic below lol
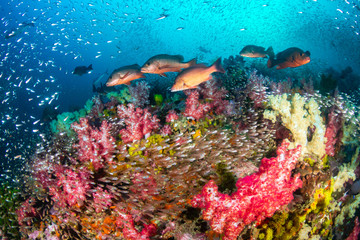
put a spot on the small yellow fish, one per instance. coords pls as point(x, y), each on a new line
point(162, 63)
point(193, 76)
point(291, 57)
point(124, 75)
point(253, 51)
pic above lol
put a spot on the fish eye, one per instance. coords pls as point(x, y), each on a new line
point(147, 64)
point(301, 54)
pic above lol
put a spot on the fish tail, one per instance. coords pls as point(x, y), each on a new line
point(271, 62)
point(217, 67)
point(270, 52)
point(192, 62)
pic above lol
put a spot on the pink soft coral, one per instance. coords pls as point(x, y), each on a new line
point(95, 145)
point(71, 187)
point(102, 199)
point(126, 223)
point(195, 109)
point(26, 211)
point(258, 196)
point(333, 130)
point(139, 122)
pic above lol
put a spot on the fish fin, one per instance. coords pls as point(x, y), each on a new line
point(217, 66)
point(281, 66)
point(192, 87)
point(270, 52)
point(142, 75)
point(127, 83)
point(165, 66)
point(162, 74)
point(137, 66)
point(125, 75)
point(200, 65)
point(192, 62)
point(90, 67)
point(271, 62)
point(179, 57)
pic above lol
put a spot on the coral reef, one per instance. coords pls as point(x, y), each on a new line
point(242, 156)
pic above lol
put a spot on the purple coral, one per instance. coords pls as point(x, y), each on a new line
point(139, 122)
point(210, 91)
point(256, 89)
point(140, 94)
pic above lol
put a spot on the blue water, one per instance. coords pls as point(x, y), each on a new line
point(36, 65)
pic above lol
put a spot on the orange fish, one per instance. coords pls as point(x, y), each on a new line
point(160, 64)
point(124, 75)
point(291, 57)
point(193, 76)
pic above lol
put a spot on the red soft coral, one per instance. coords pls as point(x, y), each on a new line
point(258, 196)
point(139, 122)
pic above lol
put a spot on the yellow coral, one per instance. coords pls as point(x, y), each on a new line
point(322, 198)
point(197, 134)
point(298, 116)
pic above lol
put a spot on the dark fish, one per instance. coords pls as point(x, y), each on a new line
point(253, 51)
point(204, 50)
point(21, 28)
point(355, 188)
point(81, 70)
point(291, 57)
point(124, 75)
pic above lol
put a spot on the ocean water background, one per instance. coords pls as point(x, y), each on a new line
point(36, 65)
